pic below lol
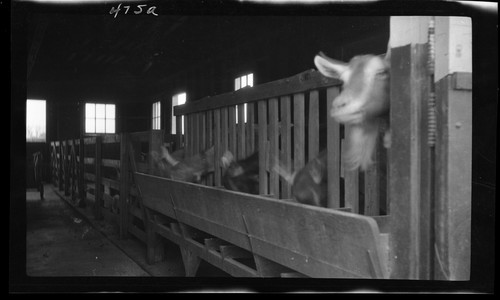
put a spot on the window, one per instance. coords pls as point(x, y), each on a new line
point(35, 120)
point(156, 121)
point(241, 82)
point(99, 118)
point(178, 99)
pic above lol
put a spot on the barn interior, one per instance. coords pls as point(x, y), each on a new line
point(75, 56)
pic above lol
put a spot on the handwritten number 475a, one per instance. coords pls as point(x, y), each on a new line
point(139, 10)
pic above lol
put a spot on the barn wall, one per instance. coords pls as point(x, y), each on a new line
point(278, 54)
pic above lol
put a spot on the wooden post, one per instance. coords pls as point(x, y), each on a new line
point(262, 115)
point(408, 91)
point(273, 145)
point(453, 80)
point(60, 162)
point(98, 179)
point(81, 179)
point(155, 142)
point(313, 127)
point(351, 180)
point(241, 132)
point(286, 142)
point(232, 130)
point(333, 148)
point(67, 167)
point(210, 142)
point(217, 145)
point(250, 148)
point(298, 131)
point(178, 133)
point(124, 184)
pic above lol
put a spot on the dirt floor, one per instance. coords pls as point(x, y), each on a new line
point(65, 240)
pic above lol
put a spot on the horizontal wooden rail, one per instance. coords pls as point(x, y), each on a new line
point(299, 83)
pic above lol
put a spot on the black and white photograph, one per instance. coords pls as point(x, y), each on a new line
point(253, 146)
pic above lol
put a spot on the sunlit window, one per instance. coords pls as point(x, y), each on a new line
point(241, 82)
point(99, 118)
point(156, 119)
point(35, 120)
point(178, 99)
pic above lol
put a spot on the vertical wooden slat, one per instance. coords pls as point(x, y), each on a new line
point(155, 143)
point(298, 131)
point(372, 186)
point(333, 148)
point(273, 145)
point(81, 166)
point(67, 167)
point(351, 180)
point(232, 129)
point(262, 116)
point(195, 134)
point(224, 130)
point(179, 141)
point(202, 146)
point(218, 147)
point(202, 123)
point(250, 135)
point(124, 184)
point(210, 141)
point(187, 135)
point(286, 142)
point(98, 177)
point(313, 128)
point(241, 131)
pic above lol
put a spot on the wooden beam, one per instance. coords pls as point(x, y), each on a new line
point(296, 84)
point(408, 70)
point(453, 148)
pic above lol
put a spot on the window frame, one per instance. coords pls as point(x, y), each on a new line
point(95, 118)
point(156, 118)
point(44, 140)
point(239, 83)
point(175, 102)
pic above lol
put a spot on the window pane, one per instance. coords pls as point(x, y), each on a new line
point(110, 111)
point(35, 120)
point(110, 126)
point(182, 99)
point(250, 79)
point(90, 125)
point(100, 111)
point(243, 81)
point(237, 85)
point(245, 112)
point(99, 126)
point(178, 99)
point(89, 110)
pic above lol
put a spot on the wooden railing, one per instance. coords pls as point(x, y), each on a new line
point(287, 121)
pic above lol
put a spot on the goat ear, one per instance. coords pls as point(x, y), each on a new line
point(329, 67)
point(226, 159)
point(388, 53)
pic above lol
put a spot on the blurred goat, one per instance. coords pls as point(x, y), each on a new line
point(363, 102)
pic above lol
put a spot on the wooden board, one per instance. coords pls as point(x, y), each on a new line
point(315, 241)
point(333, 148)
point(302, 82)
